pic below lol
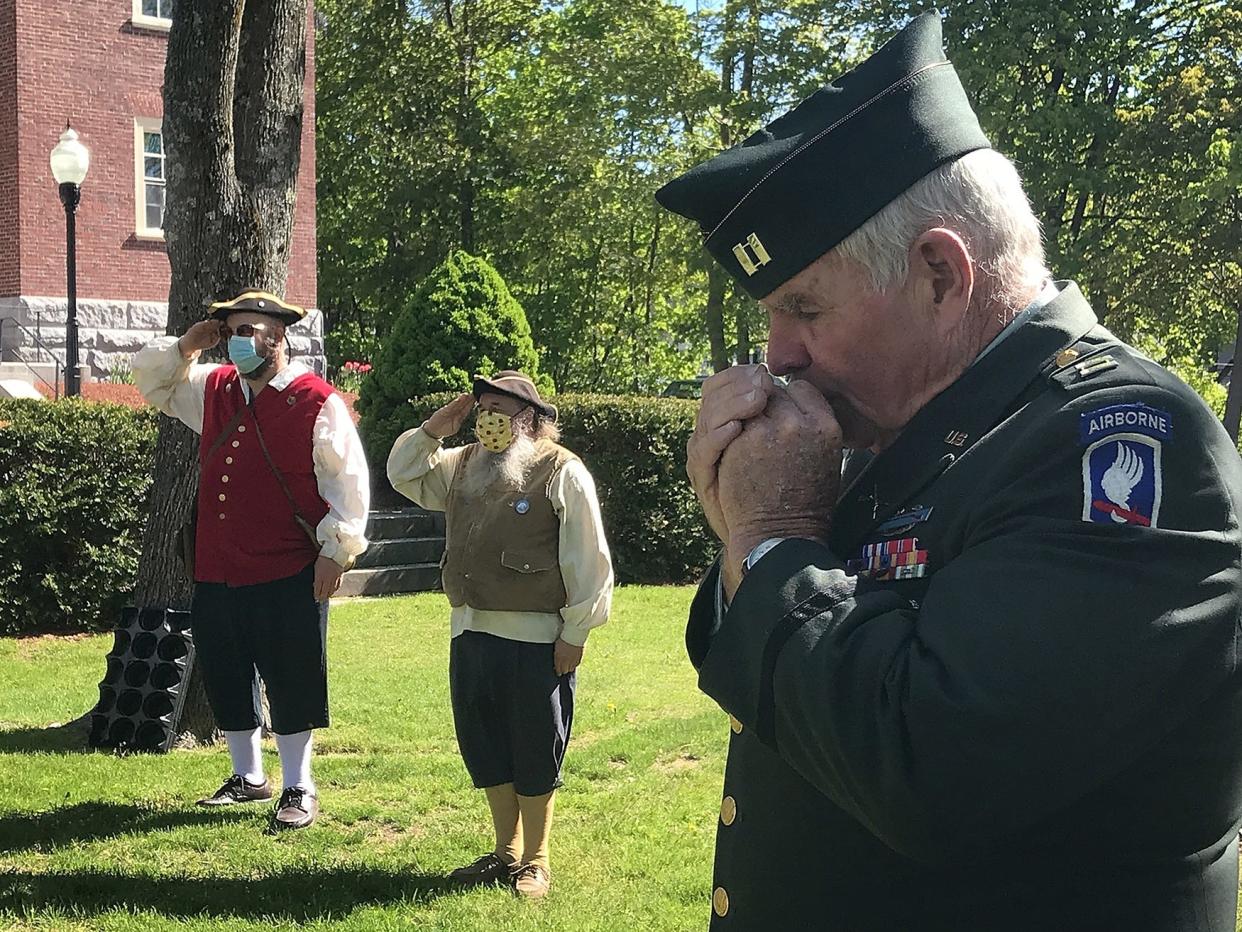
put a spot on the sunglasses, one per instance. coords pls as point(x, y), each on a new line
point(244, 330)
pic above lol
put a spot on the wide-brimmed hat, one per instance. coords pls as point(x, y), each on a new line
point(258, 302)
point(516, 385)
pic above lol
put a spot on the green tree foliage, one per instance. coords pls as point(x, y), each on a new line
point(555, 122)
point(460, 321)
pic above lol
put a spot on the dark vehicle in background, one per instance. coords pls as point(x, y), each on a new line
point(684, 388)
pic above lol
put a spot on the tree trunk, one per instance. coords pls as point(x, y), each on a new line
point(717, 280)
point(233, 101)
point(1233, 401)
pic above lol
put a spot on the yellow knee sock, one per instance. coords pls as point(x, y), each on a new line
point(536, 826)
point(504, 805)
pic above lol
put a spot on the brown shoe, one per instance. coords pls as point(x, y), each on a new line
point(531, 881)
point(490, 868)
point(237, 789)
point(297, 808)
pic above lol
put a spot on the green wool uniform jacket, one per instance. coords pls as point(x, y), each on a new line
point(1006, 694)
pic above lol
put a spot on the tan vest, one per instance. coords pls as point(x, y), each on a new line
point(502, 551)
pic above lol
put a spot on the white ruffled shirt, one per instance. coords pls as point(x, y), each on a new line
point(177, 386)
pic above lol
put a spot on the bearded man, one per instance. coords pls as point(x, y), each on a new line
point(528, 574)
point(282, 506)
point(989, 680)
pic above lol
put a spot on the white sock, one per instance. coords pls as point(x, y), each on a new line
point(246, 752)
point(295, 760)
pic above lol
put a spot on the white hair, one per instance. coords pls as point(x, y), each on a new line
point(978, 196)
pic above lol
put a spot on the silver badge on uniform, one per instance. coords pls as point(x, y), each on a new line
point(521, 506)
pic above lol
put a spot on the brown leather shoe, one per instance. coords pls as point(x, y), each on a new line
point(532, 881)
point(237, 789)
point(297, 808)
point(489, 868)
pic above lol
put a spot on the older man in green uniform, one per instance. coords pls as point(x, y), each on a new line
point(989, 679)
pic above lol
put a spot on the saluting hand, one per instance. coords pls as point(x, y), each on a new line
point(781, 476)
point(448, 420)
point(729, 398)
point(202, 336)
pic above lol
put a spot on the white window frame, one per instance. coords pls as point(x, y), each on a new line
point(146, 125)
point(139, 18)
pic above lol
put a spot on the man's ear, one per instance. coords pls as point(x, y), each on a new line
point(943, 272)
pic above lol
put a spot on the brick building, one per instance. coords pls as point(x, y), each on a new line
point(99, 64)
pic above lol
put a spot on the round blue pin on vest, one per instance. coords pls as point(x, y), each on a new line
point(521, 506)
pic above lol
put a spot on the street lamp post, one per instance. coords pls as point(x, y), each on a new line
point(70, 161)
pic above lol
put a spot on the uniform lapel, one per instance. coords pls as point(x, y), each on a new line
point(957, 418)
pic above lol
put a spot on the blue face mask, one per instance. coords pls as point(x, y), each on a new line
point(242, 354)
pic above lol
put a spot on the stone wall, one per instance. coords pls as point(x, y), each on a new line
point(109, 332)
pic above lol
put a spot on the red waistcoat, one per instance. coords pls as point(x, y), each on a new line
point(246, 531)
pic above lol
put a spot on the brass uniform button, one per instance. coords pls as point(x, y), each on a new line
point(228, 461)
point(728, 810)
point(735, 725)
point(222, 517)
point(221, 496)
point(720, 902)
point(1066, 356)
point(224, 478)
point(236, 443)
point(241, 428)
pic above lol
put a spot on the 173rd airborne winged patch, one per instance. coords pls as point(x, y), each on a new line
point(1121, 473)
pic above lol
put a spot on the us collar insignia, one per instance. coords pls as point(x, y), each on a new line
point(904, 520)
point(891, 559)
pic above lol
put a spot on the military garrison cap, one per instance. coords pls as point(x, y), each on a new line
point(775, 203)
point(259, 302)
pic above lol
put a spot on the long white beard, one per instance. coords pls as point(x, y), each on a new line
point(505, 471)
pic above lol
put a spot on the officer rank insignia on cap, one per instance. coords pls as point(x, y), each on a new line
point(772, 205)
point(1122, 474)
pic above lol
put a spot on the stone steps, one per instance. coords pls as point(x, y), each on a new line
point(404, 555)
point(391, 580)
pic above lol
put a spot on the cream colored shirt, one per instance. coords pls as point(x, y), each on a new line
point(422, 470)
point(177, 386)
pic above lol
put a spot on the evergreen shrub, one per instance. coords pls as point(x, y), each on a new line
point(74, 482)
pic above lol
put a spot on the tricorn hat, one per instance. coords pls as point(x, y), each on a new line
point(775, 203)
point(259, 302)
point(516, 385)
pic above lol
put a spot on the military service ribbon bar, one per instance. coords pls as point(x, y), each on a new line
point(891, 559)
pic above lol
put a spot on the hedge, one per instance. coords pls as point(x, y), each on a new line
point(635, 448)
point(74, 482)
point(75, 478)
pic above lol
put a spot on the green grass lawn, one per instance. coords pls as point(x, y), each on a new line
point(93, 841)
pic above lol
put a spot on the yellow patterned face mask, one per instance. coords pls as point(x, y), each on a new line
point(494, 430)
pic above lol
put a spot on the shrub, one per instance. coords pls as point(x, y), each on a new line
point(635, 448)
point(461, 320)
point(74, 481)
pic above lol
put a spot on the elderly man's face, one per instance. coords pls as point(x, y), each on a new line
point(876, 358)
point(501, 404)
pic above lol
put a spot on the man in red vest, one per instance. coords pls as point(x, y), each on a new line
point(282, 508)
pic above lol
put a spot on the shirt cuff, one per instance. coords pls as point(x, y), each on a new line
point(572, 634)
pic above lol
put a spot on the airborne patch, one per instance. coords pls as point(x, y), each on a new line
point(1122, 480)
point(1134, 418)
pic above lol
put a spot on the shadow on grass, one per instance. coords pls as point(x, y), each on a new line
point(94, 820)
point(57, 739)
point(296, 894)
